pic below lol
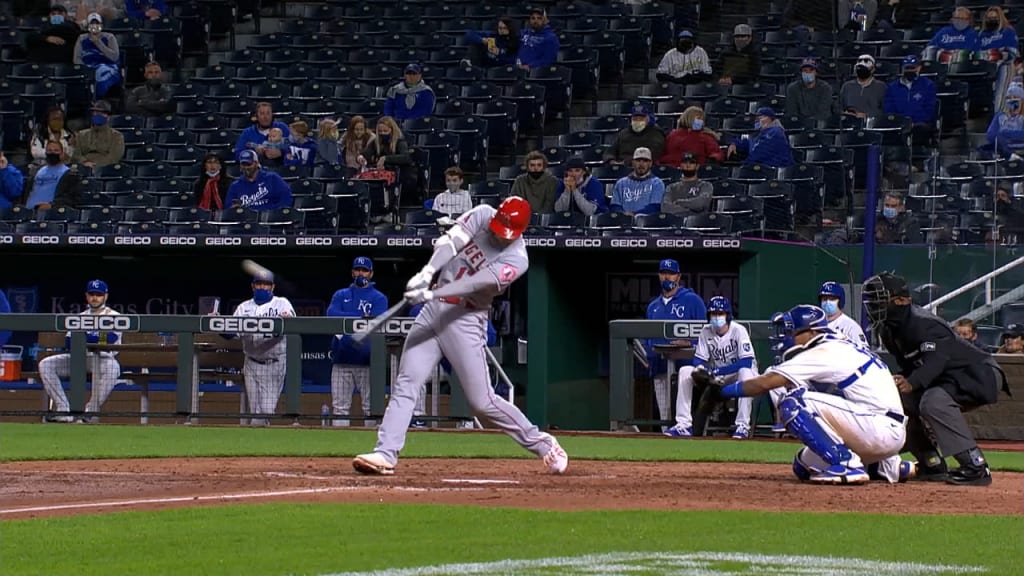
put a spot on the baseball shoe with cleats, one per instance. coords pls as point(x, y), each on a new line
point(373, 463)
point(556, 459)
point(741, 433)
point(63, 418)
point(678, 431)
point(841, 475)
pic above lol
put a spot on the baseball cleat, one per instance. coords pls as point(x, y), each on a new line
point(741, 433)
point(908, 470)
point(678, 431)
point(556, 459)
point(61, 418)
point(841, 475)
point(373, 463)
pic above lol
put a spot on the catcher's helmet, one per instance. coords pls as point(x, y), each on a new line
point(835, 290)
point(805, 317)
point(720, 304)
point(512, 217)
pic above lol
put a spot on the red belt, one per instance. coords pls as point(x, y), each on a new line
point(456, 300)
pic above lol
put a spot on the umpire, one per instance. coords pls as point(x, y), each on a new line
point(941, 376)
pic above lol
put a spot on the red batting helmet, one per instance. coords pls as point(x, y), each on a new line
point(512, 217)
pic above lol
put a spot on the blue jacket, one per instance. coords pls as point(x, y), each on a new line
point(492, 336)
point(685, 304)
point(355, 302)
point(768, 147)
point(504, 57)
point(5, 308)
point(137, 8)
point(1006, 133)
point(949, 38)
point(397, 102)
point(638, 195)
point(593, 190)
point(538, 49)
point(300, 154)
point(251, 137)
point(916, 101)
point(267, 192)
point(999, 40)
point(12, 185)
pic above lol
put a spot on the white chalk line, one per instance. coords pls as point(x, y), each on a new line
point(477, 481)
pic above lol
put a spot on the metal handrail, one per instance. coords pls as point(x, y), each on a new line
point(986, 280)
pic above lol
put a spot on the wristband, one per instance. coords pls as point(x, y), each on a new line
point(734, 390)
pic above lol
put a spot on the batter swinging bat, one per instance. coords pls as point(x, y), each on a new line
point(376, 323)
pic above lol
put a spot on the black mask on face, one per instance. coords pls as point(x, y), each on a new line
point(689, 173)
point(910, 75)
point(52, 159)
point(862, 72)
point(684, 46)
point(992, 25)
point(896, 315)
point(536, 175)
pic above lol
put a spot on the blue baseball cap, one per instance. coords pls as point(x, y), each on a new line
point(685, 34)
point(362, 262)
point(248, 157)
point(264, 276)
point(638, 110)
point(911, 61)
point(669, 265)
point(766, 111)
point(96, 287)
point(414, 69)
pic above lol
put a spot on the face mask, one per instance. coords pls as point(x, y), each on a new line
point(830, 306)
point(153, 82)
point(684, 46)
point(452, 187)
point(757, 125)
point(57, 19)
point(862, 72)
point(261, 296)
point(741, 43)
point(362, 281)
point(960, 25)
point(807, 77)
point(991, 25)
point(689, 173)
point(385, 138)
point(668, 285)
point(212, 173)
point(95, 29)
point(53, 159)
point(889, 212)
point(910, 76)
point(638, 126)
point(99, 120)
point(718, 321)
point(535, 175)
point(1013, 105)
point(697, 124)
point(250, 171)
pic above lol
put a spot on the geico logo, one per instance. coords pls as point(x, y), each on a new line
point(177, 241)
point(673, 243)
point(394, 326)
point(357, 241)
point(546, 242)
point(96, 240)
point(582, 243)
point(246, 325)
point(40, 240)
point(404, 242)
point(97, 323)
point(133, 240)
point(223, 241)
point(689, 330)
point(313, 241)
point(6, 239)
point(261, 241)
point(628, 243)
point(721, 243)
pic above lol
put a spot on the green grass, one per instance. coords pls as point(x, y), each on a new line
point(280, 539)
point(38, 442)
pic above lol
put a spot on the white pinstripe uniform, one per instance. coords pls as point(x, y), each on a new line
point(103, 366)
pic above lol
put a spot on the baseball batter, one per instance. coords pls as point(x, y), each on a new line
point(724, 351)
point(476, 260)
point(101, 364)
point(832, 299)
point(264, 367)
point(351, 360)
point(863, 423)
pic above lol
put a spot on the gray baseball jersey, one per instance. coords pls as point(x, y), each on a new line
point(264, 368)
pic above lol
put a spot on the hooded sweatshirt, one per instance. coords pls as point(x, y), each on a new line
point(266, 192)
point(254, 136)
point(639, 195)
point(539, 193)
point(355, 302)
point(685, 304)
point(538, 49)
point(588, 197)
point(406, 102)
point(300, 153)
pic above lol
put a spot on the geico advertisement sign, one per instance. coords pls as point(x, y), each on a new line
point(92, 323)
point(676, 330)
point(393, 326)
point(241, 325)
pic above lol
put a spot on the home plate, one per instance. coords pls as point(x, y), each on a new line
point(477, 481)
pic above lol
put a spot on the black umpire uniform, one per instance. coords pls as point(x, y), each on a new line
point(948, 376)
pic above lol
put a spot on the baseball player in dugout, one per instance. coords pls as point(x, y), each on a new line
point(265, 365)
point(941, 376)
point(674, 303)
point(832, 299)
point(351, 359)
point(101, 364)
point(476, 260)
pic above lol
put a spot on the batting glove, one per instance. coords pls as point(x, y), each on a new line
point(415, 297)
point(421, 281)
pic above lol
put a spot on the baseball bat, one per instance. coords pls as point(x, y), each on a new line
point(378, 321)
point(252, 268)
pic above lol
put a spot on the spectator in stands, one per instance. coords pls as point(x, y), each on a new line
point(455, 199)
point(1009, 215)
point(690, 195)
point(12, 183)
point(108, 9)
point(327, 147)
point(257, 189)
point(211, 188)
point(968, 330)
point(1005, 135)
point(355, 139)
point(957, 40)
point(693, 137)
point(100, 145)
point(1013, 340)
point(857, 14)
point(53, 129)
point(145, 9)
point(769, 145)
point(54, 43)
point(897, 14)
point(578, 191)
point(253, 137)
point(388, 151)
point(537, 186)
point(411, 98)
point(641, 133)
point(499, 47)
point(274, 143)
point(894, 225)
point(864, 96)
point(740, 63)
point(538, 44)
point(998, 44)
point(99, 50)
point(641, 192)
point(300, 149)
point(913, 95)
point(809, 97)
point(687, 63)
point(55, 184)
point(152, 98)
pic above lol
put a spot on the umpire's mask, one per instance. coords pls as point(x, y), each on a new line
point(878, 292)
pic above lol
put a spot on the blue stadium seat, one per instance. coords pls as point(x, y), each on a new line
point(710, 223)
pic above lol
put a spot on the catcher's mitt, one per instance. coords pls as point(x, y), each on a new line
point(702, 377)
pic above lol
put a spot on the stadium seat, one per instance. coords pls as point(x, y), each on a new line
point(711, 223)
point(658, 222)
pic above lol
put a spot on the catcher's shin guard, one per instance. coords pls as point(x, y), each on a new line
point(805, 425)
